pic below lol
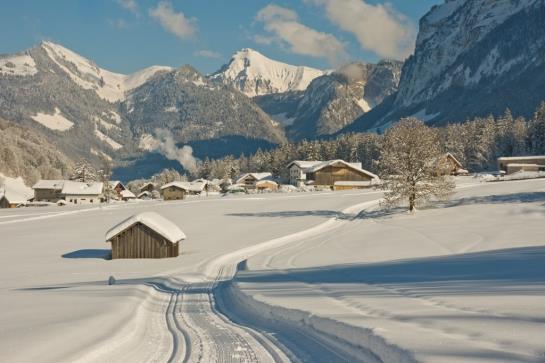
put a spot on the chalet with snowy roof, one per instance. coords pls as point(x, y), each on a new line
point(48, 190)
point(9, 199)
point(144, 195)
point(82, 193)
point(449, 165)
point(118, 187)
point(145, 235)
point(510, 165)
point(72, 192)
point(266, 186)
point(148, 187)
point(335, 174)
point(249, 180)
point(175, 191)
point(127, 195)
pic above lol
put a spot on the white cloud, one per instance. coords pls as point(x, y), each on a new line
point(206, 53)
point(130, 5)
point(284, 26)
point(173, 22)
point(379, 28)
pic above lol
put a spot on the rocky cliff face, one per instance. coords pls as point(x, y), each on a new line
point(335, 100)
point(472, 58)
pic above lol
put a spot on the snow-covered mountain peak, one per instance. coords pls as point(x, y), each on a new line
point(108, 85)
point(254, 74)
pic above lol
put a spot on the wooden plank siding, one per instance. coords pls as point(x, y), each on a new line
point(331, 174)
point(139, 241)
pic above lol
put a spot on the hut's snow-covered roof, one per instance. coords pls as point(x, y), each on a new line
point(304, 164)
point(79, 188)
point(152, 220)
point(145, 193)
point(522, 158)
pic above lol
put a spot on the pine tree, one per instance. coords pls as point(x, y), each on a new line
point(84, 172)
point(409, 165)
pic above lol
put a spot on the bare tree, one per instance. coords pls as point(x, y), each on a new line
point(411, 165)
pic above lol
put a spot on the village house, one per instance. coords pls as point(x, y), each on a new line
point(249, 180)
point(148, 187)
point(48, 190)
point(70, 191)
point(118, 187)
point(510, 165)
point(82, 193)
point(175, 191)
point(145, 235)
point(126, 195)
point(335, 174)
point(11, 199)
point(266, 186)
point(449, 165)
point(145, 195)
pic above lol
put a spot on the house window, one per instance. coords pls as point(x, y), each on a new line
point(91, 201)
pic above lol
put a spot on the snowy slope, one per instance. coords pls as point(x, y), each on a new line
point(254, 74)
point(17, 65)
point(108, 85)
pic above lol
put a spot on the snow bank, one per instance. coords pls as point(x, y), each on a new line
point(108, 140)
point(18, 65)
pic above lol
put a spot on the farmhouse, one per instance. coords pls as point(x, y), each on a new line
point(127, 195)
point(48, 190)
point(145, 235)
point(175, 190)
point(11, 200)
point(511, 165)
point(266, 186)
point(449, 165)
point(249, 180)
point(331, 173)
point(82, 193)
point(118, 187)
point(148, 187)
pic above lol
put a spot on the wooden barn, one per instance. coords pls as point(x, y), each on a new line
point(145, 235)
point(330, 172)
point(514, 164)
point(250, 180)
point(449, 165)
point(175, 190)
point(266, 186)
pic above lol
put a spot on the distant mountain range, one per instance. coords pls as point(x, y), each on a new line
point(472, 58)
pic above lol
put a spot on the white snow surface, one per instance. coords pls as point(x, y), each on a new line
point(56, 121)
point(18, 65)
point(108, 140)
point(254, 74)
point(334, 279)
point(152, 220)
point(108, 85)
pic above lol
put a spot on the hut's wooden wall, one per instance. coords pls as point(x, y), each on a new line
point(331, 174)
point(4, 203)
point(139, 241)
point(46, 195)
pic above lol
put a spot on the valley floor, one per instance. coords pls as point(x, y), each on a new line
point(279, 277)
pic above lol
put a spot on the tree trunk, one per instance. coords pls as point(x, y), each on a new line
point(412, 199)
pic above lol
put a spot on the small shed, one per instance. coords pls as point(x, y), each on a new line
point(266, 185)
point(145, 235)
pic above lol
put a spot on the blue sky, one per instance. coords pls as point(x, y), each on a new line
point(126, 35)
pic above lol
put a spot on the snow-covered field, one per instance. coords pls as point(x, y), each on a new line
point(321, 281)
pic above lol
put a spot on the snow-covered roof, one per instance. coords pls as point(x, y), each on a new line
point(79, 188)
point(147, 184)
point(49, 184)
point(13, 197)
point(524, 165)
point(145, 193)
point(177, 184)
point(256, 176)
point(305, 164)
point(514, 158)
point(352, 166)
point(261, 182)
point(449, 155)
point(198, 186)
point(152, 220)
point(114, 183)
point(127, 194)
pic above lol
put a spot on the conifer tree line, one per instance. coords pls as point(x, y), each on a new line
point(476, 144)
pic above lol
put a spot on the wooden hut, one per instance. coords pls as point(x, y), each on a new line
point(266, 186)
point(145, 235)
point(328, 173)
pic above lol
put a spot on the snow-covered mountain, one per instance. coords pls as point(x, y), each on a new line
point(88, 111)
point(472, 58)
point(335, 100)
point(254, 74)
